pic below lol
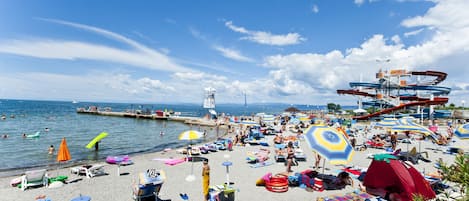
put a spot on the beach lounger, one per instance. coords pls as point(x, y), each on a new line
point(300, 155)
point(413, 156)
point(34, 178)
point(89, 170)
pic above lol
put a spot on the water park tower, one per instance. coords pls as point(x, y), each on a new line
point(399, 89)
point(209, 100)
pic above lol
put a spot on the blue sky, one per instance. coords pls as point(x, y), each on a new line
point(275, 51)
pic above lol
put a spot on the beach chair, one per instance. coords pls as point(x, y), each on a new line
point(89, 170)
point(149, 185)
point(413, 156)
point(34, 178)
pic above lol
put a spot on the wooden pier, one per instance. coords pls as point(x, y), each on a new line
point(164, 116)
point(124, 114)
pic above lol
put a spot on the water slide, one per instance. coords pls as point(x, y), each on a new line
point(435, 101)
point(410, 99)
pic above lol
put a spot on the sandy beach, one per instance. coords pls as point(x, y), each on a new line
point(115, 187)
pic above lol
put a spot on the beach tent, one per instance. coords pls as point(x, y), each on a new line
point(386, 171)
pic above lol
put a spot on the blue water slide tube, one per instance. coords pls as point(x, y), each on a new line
point(437, 90)
point(364, 84)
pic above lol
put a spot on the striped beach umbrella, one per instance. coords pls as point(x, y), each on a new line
point(387, 122)
point(329, 143)
point(408, 124)
point(462, 131)
point(190, 135)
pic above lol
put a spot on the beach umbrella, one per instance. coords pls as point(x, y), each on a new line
point(190, 135)
point(329, 143)
point(63, 154)
point(462, 131)
point(387, 122)
point(408, 124)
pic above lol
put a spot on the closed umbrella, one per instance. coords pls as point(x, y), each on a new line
point(190, 135)
point(63, 154)
point(329, 143)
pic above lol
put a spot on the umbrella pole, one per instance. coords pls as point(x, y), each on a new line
point(227, 176)
point(323, 165)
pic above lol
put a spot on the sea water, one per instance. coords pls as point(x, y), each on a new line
point(126, 135)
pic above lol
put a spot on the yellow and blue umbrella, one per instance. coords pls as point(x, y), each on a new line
point(329, 143)
point(462, 131)
point(190, 135)
point(387, 122)
point(407, 124)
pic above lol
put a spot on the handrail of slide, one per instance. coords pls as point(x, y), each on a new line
point(435, 101)
point(440, 76)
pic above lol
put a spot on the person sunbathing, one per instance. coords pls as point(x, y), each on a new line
point(332, 182)
point(278, 139)
point(378, 141)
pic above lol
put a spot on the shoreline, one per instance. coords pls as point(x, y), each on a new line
point(16, 171)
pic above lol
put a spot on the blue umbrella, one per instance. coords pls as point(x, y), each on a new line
point(462, 131)
point(329, 143)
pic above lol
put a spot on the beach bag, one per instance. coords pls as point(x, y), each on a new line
point(318, 185)
point(294, 180)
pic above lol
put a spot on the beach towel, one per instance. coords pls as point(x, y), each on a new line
point(171, 161)
point(261, 164)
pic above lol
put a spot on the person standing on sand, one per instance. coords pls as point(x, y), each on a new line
point(394, 141)
point(290, 156)
point(205, 179)
point(318, 160)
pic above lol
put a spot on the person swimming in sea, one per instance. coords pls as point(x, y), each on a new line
point(51, 150)
point(46, 129)
point(161, 133)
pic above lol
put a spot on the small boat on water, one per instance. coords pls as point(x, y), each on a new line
point(74, 102)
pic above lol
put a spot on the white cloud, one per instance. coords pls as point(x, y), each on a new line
point(413, 33)
point(446, 15)
point(359, 2)
point(232, 54)
point(141, 56)
point(196, 33)
point(333, 70)
point(315, 9)
point(266, 38)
